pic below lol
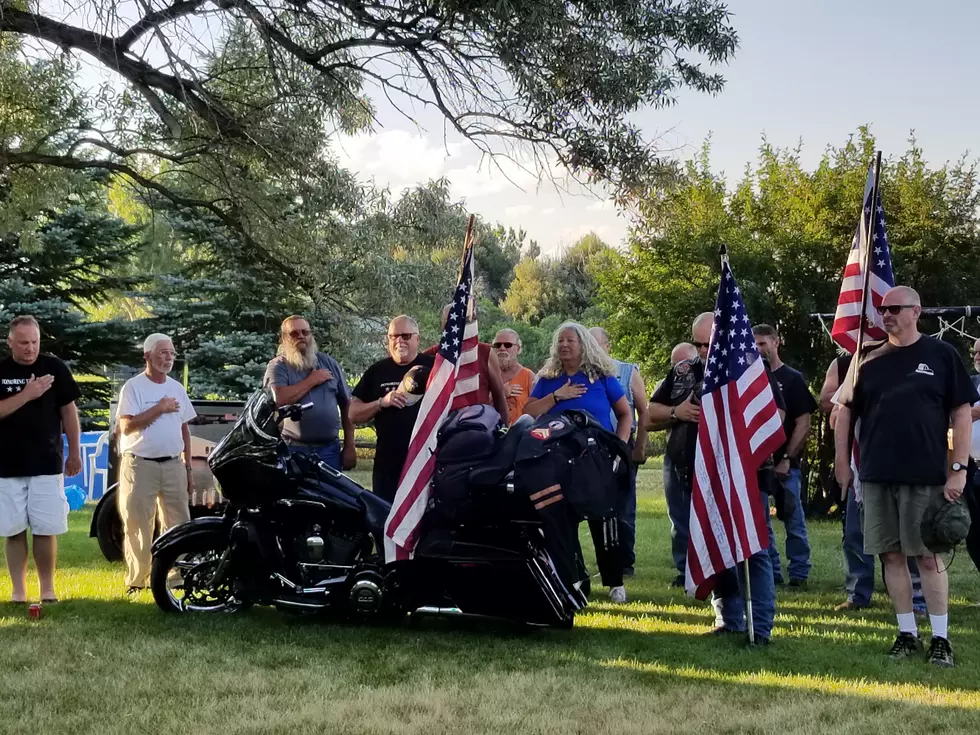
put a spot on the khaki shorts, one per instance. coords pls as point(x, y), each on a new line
point(892, 515)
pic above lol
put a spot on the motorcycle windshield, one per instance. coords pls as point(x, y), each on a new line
point(253, 437)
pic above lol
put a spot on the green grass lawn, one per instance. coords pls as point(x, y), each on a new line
point(102, 663)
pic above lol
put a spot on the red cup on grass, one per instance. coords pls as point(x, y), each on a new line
point(34, 611)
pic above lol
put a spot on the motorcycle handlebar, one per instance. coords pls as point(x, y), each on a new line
point(292, 411)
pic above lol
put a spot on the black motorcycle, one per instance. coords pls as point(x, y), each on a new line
point(301, 536)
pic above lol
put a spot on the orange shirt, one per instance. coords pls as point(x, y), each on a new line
point(515, 404)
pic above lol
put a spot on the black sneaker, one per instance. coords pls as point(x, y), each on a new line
point(940, 653)
point(678, 581)
point(721, 630)
point(905, 646)
point(799, 584)
point(760, 642)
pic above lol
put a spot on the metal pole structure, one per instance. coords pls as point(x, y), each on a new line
point(748, 602)
point(868, 220)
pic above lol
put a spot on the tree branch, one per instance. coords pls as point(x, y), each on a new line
point(154, 19)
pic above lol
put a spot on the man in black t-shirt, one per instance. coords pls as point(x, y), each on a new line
point(37, 400)
point(796, 425)
point(907, 394)
point(382, 394)
point(676, 405)
point(859, 568)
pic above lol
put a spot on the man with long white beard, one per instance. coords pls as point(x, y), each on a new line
point(153, 414)
point(300, 373)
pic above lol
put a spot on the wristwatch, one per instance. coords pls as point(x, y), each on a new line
point(673, 413)
point(957, 467)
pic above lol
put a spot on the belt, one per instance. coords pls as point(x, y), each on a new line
point(152, 459)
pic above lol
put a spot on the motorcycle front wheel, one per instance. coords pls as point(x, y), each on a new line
point(182, 578)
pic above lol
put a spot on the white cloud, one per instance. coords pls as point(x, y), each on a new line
point(518, 209)
point(395, 157)
point(604, 205)
point(492, 177)
point(548, 211)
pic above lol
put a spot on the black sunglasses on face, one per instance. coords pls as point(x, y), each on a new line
point(405, 336)
point(701, 345)
point(504, 345)
point(294, 333)
point(894, 308)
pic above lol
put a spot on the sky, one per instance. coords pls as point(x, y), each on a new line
point(812, 71)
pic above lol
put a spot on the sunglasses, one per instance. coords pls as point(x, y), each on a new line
point(893, 308)
point(504, 345)
point(404, 336)
point(701, 345)
point(294, 333)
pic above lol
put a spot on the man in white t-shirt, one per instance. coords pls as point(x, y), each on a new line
point(153, 414)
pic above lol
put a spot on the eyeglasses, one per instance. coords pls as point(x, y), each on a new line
point(701, 345)
point(503, 345)
point(294, 333)
point(404, 336)
point(894, 308)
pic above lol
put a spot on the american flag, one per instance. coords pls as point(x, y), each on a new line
point(847, 320)
point(455, 359)
point(739, 428)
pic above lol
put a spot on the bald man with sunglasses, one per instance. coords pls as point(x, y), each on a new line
point(907, 393)
point(518, 380)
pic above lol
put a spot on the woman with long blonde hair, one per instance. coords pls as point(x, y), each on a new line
point(578, 374)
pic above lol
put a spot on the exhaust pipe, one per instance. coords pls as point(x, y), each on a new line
point(440, 611)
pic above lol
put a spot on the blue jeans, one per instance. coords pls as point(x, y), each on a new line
point(797, 543)
point(677, 492)
point(859, 568)
point(627, 527)
point(328, 453)
point(730, 611)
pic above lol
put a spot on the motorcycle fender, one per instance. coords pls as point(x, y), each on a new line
point(205, 526)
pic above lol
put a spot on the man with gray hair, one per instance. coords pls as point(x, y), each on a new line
point(37, 403)
point(300, 373)
point(153, 413)
point(518, 380)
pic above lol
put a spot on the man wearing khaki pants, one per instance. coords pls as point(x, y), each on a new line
point(153, 415)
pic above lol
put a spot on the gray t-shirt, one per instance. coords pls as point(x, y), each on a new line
point(320, 424)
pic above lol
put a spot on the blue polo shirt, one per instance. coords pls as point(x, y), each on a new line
point(597, 400)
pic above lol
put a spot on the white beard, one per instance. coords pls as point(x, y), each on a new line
point(303, 361)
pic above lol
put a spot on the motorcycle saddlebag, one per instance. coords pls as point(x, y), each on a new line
point(467, 438)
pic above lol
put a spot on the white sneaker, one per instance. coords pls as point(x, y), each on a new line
point(617, 594)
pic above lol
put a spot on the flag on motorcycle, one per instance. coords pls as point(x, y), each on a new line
point(456, 355)
point(738, 430)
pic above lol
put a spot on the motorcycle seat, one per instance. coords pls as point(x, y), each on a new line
point(495, 470)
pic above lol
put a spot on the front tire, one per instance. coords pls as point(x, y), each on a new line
point(181, 574)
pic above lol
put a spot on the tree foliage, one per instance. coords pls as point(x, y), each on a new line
point(68, 265)
point(789, 231)
point(228, 107)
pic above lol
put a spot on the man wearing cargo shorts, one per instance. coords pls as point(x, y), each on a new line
point(153, 415)
point(37, 403)
point(908, 392)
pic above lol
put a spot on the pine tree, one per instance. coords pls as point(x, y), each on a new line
point(64, 268)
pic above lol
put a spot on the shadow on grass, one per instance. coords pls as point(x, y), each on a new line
point(441, 649)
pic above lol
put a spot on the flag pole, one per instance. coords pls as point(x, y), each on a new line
point(866, 266)
point(723, 254)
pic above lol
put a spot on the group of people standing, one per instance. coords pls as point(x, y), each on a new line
point(910, 389)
